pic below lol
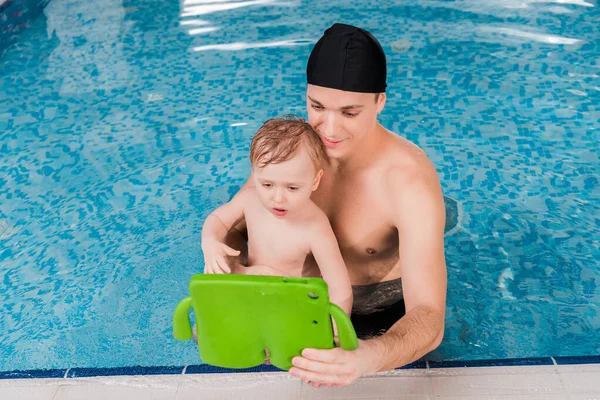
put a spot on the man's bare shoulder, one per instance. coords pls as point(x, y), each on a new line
point(406, 160)
point(409, 177)
point(404, 163)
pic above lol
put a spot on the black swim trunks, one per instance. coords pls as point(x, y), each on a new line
point(377, 307)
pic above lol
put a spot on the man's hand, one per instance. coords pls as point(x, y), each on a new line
point(215, 253)
point(336, 367)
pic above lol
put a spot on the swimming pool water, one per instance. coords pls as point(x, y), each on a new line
point(124, 123)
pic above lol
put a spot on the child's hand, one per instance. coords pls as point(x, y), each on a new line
point(214, 257)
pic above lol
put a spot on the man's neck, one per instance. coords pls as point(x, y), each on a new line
point(364, 152)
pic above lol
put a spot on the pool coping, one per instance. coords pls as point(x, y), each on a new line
point(209, 369)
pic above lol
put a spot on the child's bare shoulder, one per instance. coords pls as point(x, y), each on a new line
point(245, 199)
point(248, 199)
point(247, 193)
point(317, 219)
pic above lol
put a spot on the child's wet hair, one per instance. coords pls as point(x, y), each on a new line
point(279, 139)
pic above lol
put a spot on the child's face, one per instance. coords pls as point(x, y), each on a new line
point(286, 187)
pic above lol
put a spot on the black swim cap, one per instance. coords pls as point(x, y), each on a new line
point(347, 58)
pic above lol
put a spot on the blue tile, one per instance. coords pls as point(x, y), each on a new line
point(577, 360)
point(35, 373)
point(87, 372)
point(509, 362)
point(209, 369)
point(415, 365)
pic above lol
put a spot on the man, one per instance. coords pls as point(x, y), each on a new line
point(384, 201)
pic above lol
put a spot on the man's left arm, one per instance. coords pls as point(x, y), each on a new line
point(417, 209)
point(420, 220)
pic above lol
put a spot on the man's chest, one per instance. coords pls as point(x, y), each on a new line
point(360, 220)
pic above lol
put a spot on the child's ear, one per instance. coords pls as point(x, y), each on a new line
point(317, 180)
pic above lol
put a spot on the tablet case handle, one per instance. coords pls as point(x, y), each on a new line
point(182, 329)
point(346, 333)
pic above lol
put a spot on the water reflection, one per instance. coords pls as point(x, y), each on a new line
point(194, 8)
point(90, 53)
point(200, 31)
point(537, 37)
point(573, 2)
point(245, 46)
point(194, 22)
point(190, 11)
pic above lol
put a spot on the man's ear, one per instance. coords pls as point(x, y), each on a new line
point(317, 180)
point(381, 102)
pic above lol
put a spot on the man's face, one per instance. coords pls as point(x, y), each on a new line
point(285, 188)
point(342, 119)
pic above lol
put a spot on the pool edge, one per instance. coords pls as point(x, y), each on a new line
point(209, 369)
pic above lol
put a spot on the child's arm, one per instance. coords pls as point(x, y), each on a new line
point(327, 254)
point(215, 229)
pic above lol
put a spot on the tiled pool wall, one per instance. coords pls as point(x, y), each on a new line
point(209, 369)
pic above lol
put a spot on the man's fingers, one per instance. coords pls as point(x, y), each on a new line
point(326, 356)
point(230, 251)
point(315, 377)
point(315, 366)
